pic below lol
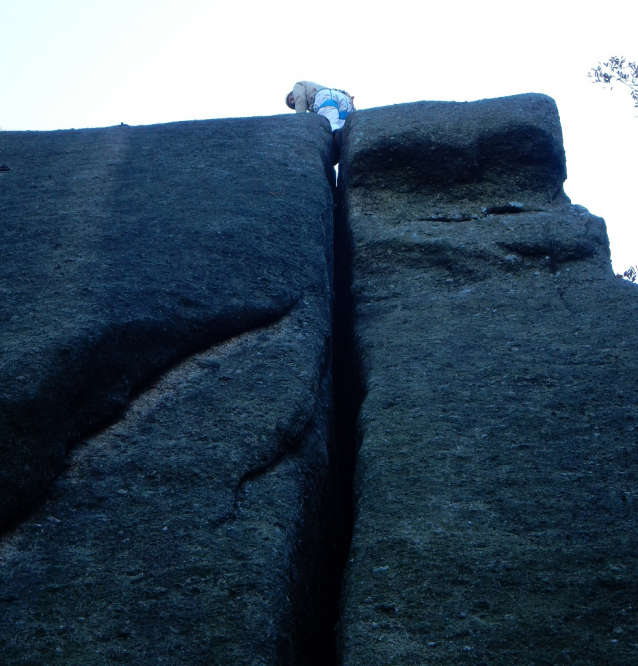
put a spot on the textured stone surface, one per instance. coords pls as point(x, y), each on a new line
point(187, 268)
point(126, 249)
point(495, 487)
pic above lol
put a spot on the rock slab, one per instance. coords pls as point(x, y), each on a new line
point(166, 422)
point(495, 503)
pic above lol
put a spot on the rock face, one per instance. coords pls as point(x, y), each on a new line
point(495, 485)
point(166, 312)
point(183, 410)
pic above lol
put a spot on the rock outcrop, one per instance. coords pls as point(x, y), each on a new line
point(166, 317)
point(495, 504)
point(183, 408)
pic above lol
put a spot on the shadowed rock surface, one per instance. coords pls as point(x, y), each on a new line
point(186, 267)
point(173, 463)
point(126, 249)
point(495, 485)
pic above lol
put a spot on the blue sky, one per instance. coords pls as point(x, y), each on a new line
point(94, 63)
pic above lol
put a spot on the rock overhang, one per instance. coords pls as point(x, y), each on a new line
point(461, 155)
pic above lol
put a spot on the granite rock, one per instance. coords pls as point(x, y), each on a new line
point(127, 249)
point(495, 504)
point(167, 409)
point(174, 456)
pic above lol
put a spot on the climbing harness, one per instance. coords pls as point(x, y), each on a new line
point(333, 102)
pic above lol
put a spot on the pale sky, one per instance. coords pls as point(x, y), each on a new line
point(95, 63)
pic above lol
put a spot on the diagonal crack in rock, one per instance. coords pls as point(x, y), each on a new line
point(37, 430)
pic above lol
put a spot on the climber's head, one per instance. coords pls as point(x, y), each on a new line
point(290, 101)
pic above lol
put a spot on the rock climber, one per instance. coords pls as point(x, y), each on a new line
point(334, 104)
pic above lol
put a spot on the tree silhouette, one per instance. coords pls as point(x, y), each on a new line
point(617, 70)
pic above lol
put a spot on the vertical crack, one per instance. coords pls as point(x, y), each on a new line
point(316, 631)
point(348, 388)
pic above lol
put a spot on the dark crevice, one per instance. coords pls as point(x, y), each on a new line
point(256, 472)
point(250, 475)
point(462, 217)
point(336, 527)
point(290, 442)
point(508, 209)
point(348, 386)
